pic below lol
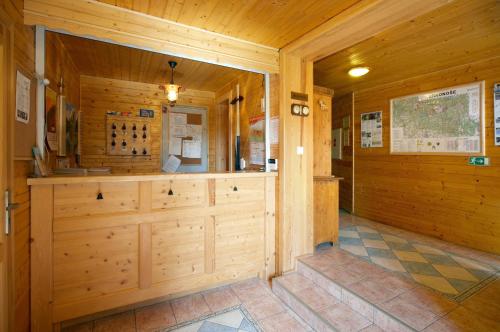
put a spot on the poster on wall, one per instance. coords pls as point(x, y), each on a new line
point(23, 88)
point(442, 121)
point(371, 130)
point(256, 139)
point(337, 143)
point(50, 119)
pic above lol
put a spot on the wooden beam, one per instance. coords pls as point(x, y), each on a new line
point(296, 177)
point(127, 27)
point(362, 21)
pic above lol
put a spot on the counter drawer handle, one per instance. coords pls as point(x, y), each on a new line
point(170, 192)
point(235, 188)
point(99, 196)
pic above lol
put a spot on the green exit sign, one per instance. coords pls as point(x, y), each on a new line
point(479, 161)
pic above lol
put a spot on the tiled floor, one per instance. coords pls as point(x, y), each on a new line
point(427, 262)
point(245, 306)
point(389, 276)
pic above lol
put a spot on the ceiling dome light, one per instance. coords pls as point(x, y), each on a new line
point(359, 71)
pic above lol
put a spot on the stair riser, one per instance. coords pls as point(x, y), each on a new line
point(303, 311)
point(365, 308)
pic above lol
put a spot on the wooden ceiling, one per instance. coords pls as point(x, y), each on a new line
point(100, 59)
point(461, 32)
point(273, 23)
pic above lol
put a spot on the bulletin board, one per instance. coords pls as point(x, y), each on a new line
point(185, 136)
point(191, 119)
point(25, 132)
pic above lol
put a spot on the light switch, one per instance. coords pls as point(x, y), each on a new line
point(300, 150)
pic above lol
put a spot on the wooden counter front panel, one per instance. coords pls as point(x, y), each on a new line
point(94, 262)
point(238, 243)
point(178, 193)
point(80, 199)
point(237, 190)
point(178, 249)
point(139, 243)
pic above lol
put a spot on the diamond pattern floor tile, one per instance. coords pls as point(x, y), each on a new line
point(438, 283)
point(447, 273)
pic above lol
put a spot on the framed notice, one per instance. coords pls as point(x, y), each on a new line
point(371, 130)
point(447, 121)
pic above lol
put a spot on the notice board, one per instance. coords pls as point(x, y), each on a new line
point(185, 137)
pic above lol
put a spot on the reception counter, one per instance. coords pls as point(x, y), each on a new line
point(103, 242)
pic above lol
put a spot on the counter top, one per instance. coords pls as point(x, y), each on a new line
point(66, 179)
point(327, 178)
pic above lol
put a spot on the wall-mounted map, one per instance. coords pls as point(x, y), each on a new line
point(444, 121)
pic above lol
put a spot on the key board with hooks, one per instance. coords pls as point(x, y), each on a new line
point(128, 136)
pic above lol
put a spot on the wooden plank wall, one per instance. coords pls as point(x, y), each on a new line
point(99, 95)
point(436, 195)
point(252, 90)
point(343, 106)
point(322, 133)
point(58, 63)
point(24, 55)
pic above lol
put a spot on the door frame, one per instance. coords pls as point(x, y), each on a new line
point(230, 140)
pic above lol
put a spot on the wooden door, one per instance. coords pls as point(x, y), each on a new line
point(4, 300)
point(222, 137)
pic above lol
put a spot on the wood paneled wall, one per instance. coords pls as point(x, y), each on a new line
point(252, 89)
point(58, 63)
point(322, 134)
point(440, 196)
point(99, 95)
point(19, 255)
point(342, 107)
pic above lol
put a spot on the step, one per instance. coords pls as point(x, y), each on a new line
point(318, 308)
point(388, 300)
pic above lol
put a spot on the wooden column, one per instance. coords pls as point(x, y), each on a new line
point(41, 258)
point(296, 177)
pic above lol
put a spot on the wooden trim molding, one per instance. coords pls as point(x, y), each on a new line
point(102, 21)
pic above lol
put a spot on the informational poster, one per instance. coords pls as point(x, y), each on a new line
point(496, 98)
point(256, 138)
point(337, 143)
point(442, 121)
point(191, 148)
point(177, 124)
point(257, 153)
point(23, 88)
point(274, 130)
point(50, 118)
point(371, 130)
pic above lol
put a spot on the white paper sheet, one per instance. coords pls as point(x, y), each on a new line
point(172, 164)
point(194, 131)
point(23, 86)
point(175, 145)
point(191, 149)
point(178, 118)
point(257, 153)
point(274, 127)
point(178, 130)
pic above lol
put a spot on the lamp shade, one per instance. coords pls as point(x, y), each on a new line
point(172, 91)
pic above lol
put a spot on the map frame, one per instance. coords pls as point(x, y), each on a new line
point(480, 85)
